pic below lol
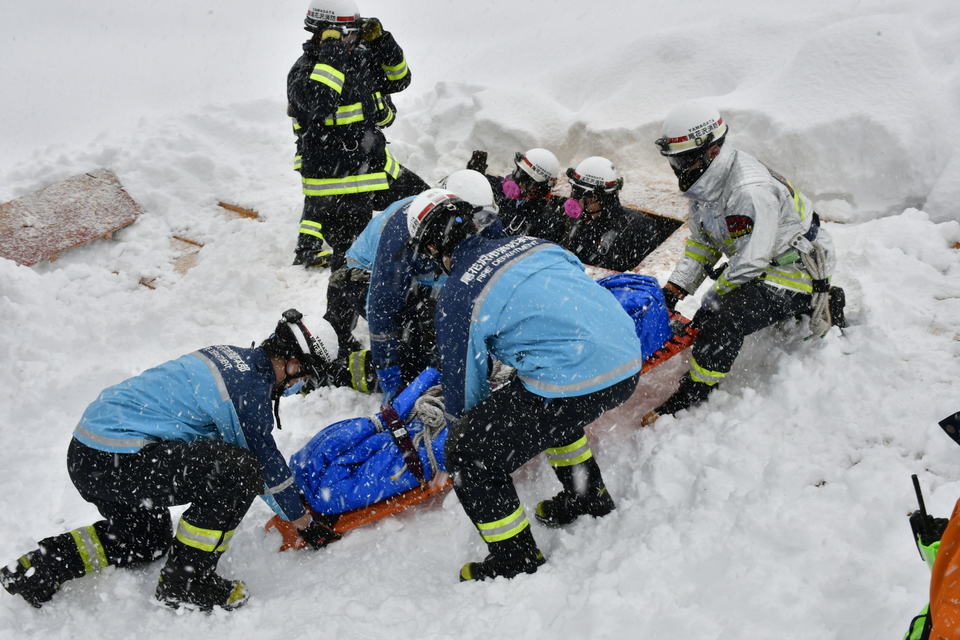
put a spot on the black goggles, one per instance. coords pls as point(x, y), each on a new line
point(684, 161)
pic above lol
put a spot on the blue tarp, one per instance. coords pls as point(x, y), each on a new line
point(642, 298)
point(350, 464)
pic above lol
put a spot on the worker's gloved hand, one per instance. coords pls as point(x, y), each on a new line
point(389, 379)
point(320, 532)
point(927, 533)
point(478, 161)
point(329, 34)
point(371, 29)
point(715, 273)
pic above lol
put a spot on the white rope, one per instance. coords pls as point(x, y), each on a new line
point(816, 265)
point(501, 375)
point(428, 409)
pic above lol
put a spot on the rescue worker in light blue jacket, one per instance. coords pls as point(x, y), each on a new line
point(197, 431)
point(529, 304)
point(396, 291)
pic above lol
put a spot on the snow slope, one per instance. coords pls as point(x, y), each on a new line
point(775, 511)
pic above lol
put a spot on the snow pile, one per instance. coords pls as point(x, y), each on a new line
point(775, 511)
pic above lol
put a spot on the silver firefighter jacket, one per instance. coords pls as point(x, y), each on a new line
point(742, 210)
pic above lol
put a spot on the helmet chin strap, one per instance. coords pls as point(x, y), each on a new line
point(281, 386)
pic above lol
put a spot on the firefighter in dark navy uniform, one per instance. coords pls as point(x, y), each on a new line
point(338, 96)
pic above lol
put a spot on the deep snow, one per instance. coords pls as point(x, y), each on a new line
point(775, 511)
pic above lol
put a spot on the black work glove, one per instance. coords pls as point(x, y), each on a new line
point(934, 528)
point(371, 29)
point(320, 533)
point(714, 274)
point(478, 161)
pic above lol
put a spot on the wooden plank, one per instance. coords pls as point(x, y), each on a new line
point(243, 212)
point(41, 225)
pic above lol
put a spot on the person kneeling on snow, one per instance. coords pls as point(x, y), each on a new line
point(197, 431)
point(780, 258)
point(529, 304)
point(401, 289)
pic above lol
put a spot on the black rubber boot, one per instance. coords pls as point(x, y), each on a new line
point(37, 575)
point(688, 394)
point(838, 300)
point(311, 252)
point(565, 507)
point(583, 494)
point(507, 559)
point(189, 579)
point(355, 371)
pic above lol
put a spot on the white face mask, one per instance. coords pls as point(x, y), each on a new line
point(295, 387)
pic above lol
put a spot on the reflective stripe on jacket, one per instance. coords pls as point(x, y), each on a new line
point(217, 393)
point(744, 211)
point(530, 304)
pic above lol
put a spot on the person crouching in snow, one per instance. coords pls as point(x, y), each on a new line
point(197, 431)
point(529, 304)
point(780, 258)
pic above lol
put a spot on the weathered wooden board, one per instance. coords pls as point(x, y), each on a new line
point(41, 225)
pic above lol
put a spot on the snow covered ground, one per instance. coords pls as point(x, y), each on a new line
point(778, 510)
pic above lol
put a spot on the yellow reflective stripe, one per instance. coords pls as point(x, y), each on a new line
point(387, 119)
point(91, 551)
point(699, 374)
point(311, 228)
point(391, 166)
point(569, 455)
point(325, 74)
point(798, 201)
point(701, 253)
point(350, 184)
point(378, 99)
point(204, 539)
point(505, 528)
point(346, 114)
point(297, 162)
point(358, 370)
point(296, 124)
point(798, 280)
point(25, 562)
point(722, 285)
point(397, 71)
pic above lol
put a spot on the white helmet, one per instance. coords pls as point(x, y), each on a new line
point(689, 131)
point(689, 126)
point(595, 174)
point(541, 165)
point(438, 221)
point(341, 15)
point(472, 186)
point(419, 210)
